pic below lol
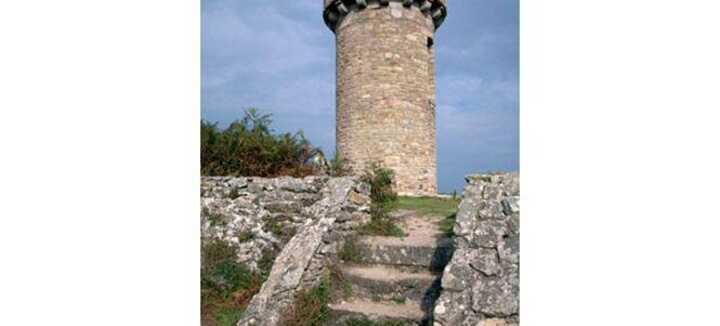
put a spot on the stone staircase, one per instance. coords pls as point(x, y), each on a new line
point(397, 279)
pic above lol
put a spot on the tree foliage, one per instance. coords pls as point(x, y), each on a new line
point(248, 147)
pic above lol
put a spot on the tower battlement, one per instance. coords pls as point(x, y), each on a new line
point(336, 10)
point(385, 93)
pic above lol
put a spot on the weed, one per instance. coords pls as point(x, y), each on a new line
point(266, 261)
point(228, 317)
point(284, 233)
point(380, 180)
point(310, 307)
point(244, 236)
point(381, 226)
point(234, 193)
point(215, 219)
point(350, 251)
point(226, 285)
point(383, 197)
point(447, 225)
point(376, 297)
point(399, 300)
point(366, 322)
point(337, 167)
point(338, 282)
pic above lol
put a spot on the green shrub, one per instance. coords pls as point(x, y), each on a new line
point(337, 167)
point(228, 317)
point(266, 261)
point(383, 198)
point(380, 180)
point(248, 147)
point(279, 229)
point(226, 286)
point(350, 251)
point(244, 236)
point(234, 193)
point(214, 218)
point(310, 307)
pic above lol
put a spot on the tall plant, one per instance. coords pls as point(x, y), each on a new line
point(249, 147)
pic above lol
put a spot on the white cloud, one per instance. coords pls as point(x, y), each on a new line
point(242, 42)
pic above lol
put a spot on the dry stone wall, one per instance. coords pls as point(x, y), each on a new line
point(386, 88)
point(480, 285)
point(260, 215)
point(303, 220)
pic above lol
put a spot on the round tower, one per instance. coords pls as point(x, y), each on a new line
point(386, 87)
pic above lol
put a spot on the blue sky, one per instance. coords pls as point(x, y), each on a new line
point(279, 56)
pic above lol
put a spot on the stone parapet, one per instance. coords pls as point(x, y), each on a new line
point(336, 10)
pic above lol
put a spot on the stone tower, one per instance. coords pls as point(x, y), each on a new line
point(386, 87)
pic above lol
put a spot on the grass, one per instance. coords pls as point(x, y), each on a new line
point(283, 232)
point(226, 285)
point(228, 317)
point(234, 193)
point(432, 206)
point(428, 206)
point(448, 224)
point(310, 307)
point(341, 287)
point(244, 236)
point(399, 300)
point(384, 226)
point(215, 219)
point(350, 251)
point(366, 322)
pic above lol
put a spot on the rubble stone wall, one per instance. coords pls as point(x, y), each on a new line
point(480, 285)
point(260, 214)
point(303, 221)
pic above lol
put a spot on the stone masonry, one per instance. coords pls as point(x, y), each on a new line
point(386, 87)
point(481, 284)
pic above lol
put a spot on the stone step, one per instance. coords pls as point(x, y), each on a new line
point(342, 312)
point(430, 252)
point(390, 282)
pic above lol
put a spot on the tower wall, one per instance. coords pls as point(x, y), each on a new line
point(386, 89)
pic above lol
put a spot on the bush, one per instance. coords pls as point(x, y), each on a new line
point(248, 147)
point(350, 250)
point(226, 285)
point(310, 307)
point(383, 197)
point(337, 167)
point(380, 180)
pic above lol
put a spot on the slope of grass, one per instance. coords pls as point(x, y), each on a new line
point(432, 206)
point(428, 205)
